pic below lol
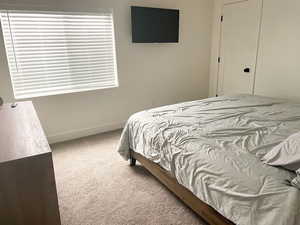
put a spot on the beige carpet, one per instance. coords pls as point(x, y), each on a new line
point(96, 186)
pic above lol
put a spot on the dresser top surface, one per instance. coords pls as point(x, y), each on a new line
point(21, 134)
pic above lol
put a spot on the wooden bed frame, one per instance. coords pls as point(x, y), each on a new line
point(202, 209)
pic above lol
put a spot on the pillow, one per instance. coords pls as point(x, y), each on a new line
point(286, 154)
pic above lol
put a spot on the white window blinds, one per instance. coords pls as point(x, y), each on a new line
point(52, 53)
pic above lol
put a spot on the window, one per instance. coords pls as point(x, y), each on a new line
point(53, 53)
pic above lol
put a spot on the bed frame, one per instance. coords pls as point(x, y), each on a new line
point(202, 209)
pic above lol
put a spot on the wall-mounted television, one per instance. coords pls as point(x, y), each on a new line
point(154, 25)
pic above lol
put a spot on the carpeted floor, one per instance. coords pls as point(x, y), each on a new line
point(97, 187)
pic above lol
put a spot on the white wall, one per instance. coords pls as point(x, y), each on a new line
point(278, 68)
point(149, 74)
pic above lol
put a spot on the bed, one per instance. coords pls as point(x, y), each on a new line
point(208, 152)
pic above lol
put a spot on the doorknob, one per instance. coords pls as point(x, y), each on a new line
point(247, 70)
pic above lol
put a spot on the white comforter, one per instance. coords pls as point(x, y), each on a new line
point(213, 147)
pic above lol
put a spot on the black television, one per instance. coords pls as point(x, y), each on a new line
point(154, 25)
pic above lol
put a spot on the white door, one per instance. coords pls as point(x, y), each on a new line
point(239, 46)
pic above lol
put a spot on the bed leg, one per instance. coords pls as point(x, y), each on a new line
point(132, 161)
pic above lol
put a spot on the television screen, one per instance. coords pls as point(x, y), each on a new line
point(153, 25)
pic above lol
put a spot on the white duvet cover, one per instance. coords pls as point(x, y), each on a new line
point(214, 147)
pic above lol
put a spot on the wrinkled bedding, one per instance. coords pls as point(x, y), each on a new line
point(296, 181)
point(214, 147)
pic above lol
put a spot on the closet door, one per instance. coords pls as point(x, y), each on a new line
point(239, 46)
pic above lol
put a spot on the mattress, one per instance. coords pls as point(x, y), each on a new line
point(213, 147)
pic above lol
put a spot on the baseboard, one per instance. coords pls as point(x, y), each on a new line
point(74, 134)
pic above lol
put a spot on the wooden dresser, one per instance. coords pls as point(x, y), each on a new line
point(27, 183)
